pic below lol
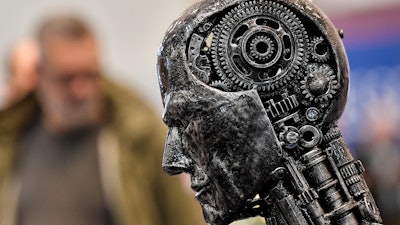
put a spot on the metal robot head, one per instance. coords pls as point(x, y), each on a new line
point(245, 82)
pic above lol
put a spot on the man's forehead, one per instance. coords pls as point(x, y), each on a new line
point(71, 53)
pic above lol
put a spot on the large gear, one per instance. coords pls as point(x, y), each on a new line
point(259, 45)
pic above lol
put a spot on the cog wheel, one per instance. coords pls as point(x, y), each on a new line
point(320, 84)
point(259, 45)
point(261, 48)
point(319, 50)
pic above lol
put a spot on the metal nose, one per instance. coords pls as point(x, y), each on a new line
point(175, 161)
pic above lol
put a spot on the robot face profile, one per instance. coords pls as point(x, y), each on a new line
point(223, 141)
point(250, 88)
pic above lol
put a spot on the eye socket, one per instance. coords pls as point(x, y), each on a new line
point(179, 123)
point(170, 121)
point(175, 110)
point(174, 119)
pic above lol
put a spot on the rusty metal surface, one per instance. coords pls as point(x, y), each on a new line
point(252, 92)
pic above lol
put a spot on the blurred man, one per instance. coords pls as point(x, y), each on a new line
point(22, 70)
point(81, 150)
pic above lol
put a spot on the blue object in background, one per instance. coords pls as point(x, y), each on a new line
point(372, 41)
point(376, 55)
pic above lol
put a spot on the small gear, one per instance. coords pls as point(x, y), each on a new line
point(259, 45)
point(319, 50)
point(261, 48)
point(320, 84)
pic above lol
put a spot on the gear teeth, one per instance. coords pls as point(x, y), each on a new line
point(221, 85)
point(315, 42)
point(224, 66)
point(319, 73)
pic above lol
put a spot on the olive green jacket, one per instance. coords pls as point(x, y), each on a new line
point(130, 154)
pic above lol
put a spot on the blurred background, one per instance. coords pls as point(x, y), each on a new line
point(371, 121)
point(130, 32)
